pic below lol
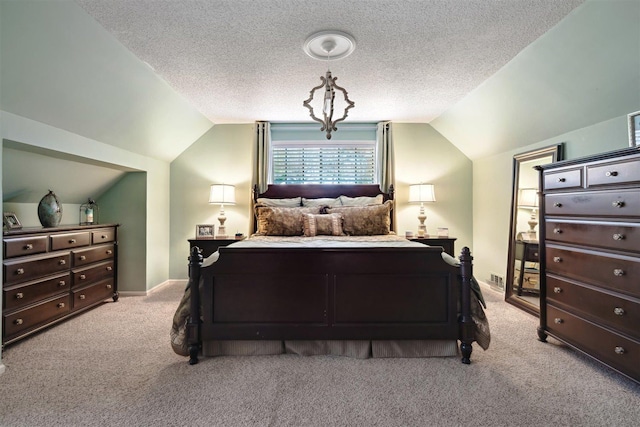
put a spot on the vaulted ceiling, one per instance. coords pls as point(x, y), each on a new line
point(152, 76)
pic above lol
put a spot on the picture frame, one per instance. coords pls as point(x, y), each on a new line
point(205, 231)
point(11, 221)
point(634, 129)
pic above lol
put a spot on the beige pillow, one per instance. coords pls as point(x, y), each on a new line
point(324, 224)
point(361, 201)
point(365, 220)
point(280, 221)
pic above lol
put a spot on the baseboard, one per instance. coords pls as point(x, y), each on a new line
point(154, 289)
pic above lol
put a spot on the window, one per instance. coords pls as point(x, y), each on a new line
point(301, 155)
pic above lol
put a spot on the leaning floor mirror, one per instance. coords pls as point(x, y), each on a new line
point(523, 275)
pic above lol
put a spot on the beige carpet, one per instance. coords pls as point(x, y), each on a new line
point(113, 366)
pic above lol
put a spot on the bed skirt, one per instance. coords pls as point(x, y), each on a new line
point(348, 348)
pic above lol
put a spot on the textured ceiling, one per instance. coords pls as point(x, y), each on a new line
point(242, 60)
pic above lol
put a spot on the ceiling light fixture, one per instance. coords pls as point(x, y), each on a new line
point(329, 45)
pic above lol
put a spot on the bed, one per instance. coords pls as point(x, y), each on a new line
point(323, 272)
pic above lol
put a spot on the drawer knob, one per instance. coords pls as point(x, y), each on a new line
point(82, 277)
point(611, 173)
point(109, 268)
point(618, 203)
point(557, 290)
point(618, 236)
point(82, 296)
point(60, 305)
point(109, 252)
point(20, 271)
point(557, 205)
point(618, 311)
point(82, 257)
point(558, 320)
point(561, 179)
point(618, 272)
point(18, 322)
point(103, 236)
point(72, 240)
point(62, 262)
point(28, 247)
point(619, 350)
point(19, 295)
point(61, 283)
point(557, 259)
point(557, 231)
point(108, 286)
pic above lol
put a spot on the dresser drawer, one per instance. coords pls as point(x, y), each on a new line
point(87, 296)
point(571, 178)
point(617, 204)
point(34, 316)
point(615, 350)
point(622, 314)
point(105, 235)
point(613, 173)
point(85, 276)
point(21, 295)
point(25, 246)
point(87, 256)
point(70, 240)
point(619, 273)
point(24, 269)
point(623, 237)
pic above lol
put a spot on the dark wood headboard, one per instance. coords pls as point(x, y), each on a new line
point(316, 191)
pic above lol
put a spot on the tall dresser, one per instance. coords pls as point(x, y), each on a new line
point(52, 273)
point(590, 257)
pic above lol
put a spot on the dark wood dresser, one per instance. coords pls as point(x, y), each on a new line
point(52, 273)
point(590, 257)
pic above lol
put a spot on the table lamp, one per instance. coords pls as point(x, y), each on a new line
point(224, 195)
point(420, 193)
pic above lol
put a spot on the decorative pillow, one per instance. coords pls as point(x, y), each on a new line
point(361, 201)
point(365, 220)
point(279, 221)
point(284, 203)
point(327, 225)
point(325, 201)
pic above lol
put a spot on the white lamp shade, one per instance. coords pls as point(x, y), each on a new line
point(422, 193)
point(222, 194)
point(528, 198)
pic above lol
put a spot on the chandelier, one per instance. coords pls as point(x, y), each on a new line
point(329, 45)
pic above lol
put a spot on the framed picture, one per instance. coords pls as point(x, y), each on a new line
point(204, 231)
point(10, 220)
point(634, 129)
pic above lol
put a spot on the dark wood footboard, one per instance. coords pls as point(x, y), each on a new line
point(330, 294)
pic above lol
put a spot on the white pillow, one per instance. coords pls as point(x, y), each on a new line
point(324, 201)
point(294, 202)
point(361, 201)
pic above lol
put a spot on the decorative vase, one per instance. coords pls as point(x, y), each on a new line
point(50, 210)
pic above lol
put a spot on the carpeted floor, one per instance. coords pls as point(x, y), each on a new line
point(114, 366)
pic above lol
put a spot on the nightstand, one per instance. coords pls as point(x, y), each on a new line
point(209, 246)
point(527, 252)
point(447, 243)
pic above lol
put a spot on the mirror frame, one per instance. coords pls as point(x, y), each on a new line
point(556, 152)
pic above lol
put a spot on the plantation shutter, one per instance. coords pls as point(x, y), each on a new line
point(298, 159)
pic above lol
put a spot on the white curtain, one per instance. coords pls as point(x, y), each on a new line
point(262, 158)
point(386, 161)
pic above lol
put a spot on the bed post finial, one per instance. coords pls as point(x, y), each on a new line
point(467, 327)
point(193, 324)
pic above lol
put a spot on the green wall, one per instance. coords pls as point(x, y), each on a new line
point(225, 155)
